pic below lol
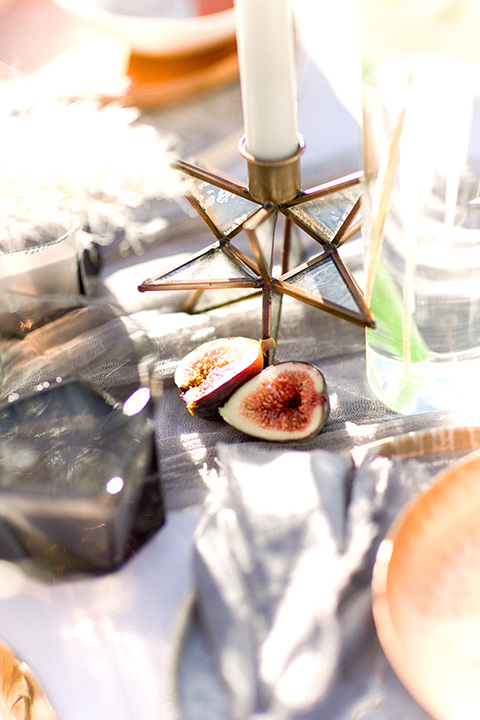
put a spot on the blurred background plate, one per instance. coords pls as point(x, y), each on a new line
point(69, 57)
point(194, 689)
point(426, 593)
point(160, 27)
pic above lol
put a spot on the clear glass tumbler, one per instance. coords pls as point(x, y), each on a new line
point(421, 149)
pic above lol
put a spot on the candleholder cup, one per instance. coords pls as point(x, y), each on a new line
point(273, 181)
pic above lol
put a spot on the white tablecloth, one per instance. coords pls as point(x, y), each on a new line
point(101, 646)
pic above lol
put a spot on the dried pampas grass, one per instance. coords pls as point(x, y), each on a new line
point(66, 163)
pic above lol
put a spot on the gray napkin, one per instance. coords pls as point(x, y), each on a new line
point(283, 557)
point(270, 565)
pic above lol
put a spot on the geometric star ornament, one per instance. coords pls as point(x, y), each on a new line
point(328, 213)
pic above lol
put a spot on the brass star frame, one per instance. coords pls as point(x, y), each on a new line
point(328, 213)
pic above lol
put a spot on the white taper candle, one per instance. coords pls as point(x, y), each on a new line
point(266, 53)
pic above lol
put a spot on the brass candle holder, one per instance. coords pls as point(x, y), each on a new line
point(329, 213)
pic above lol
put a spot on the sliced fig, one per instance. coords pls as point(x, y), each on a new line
point(288, 401)
point(208, 375)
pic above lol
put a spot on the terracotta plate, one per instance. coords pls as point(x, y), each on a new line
point(426, 593)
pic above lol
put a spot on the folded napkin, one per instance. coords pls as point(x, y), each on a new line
point(282, 559)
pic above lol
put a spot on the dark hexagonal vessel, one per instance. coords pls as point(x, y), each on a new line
point(79, 483)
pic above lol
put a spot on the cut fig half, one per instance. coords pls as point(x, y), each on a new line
point(208, 375)
point(284, 402)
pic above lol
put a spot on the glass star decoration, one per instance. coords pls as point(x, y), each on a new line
point(328, 213)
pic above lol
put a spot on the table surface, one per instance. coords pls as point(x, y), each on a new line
point(101, 647)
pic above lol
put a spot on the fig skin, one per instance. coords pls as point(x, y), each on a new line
point(208, 375)
point(285, 402)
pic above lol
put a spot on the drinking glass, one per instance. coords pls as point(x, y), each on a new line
point(421, 151)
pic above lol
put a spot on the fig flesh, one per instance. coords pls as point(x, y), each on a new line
point(284, 402)
point(208, 375)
